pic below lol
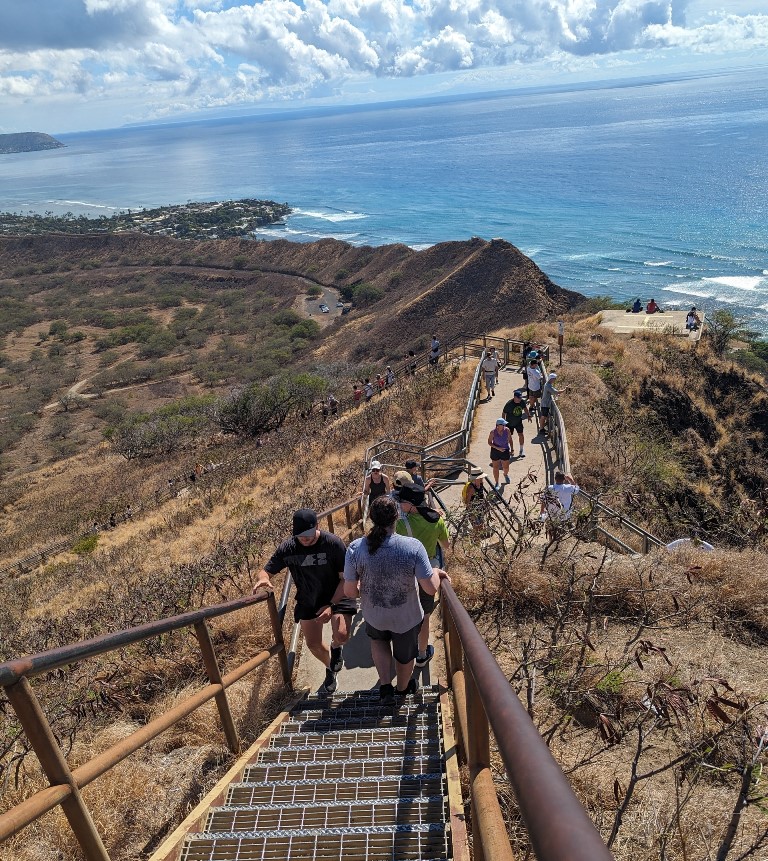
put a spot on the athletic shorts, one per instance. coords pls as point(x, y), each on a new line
point(545, 411)
point(302, 612)
point(516, 426)
point(534, 393)
point(499, 455)
point(405, 646)
point(427, 601)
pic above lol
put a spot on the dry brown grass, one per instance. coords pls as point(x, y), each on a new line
point(597, 637)
point(232, 532)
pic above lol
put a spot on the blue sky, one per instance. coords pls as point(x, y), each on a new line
point(70, 65)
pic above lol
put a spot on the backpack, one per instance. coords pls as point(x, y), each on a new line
point(465, 493)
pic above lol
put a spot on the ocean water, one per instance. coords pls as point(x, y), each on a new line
point(634, 188)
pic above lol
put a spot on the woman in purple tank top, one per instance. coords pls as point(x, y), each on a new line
point(500, 441)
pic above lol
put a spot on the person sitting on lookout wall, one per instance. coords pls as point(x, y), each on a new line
point(637, 307)
point(652, 307)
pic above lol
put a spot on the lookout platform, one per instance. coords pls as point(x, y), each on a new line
point(661, 323)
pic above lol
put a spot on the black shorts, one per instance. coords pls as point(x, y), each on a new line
point(534, 393)
point(302, 612)
point(427, 601)
point(496, 454)
point(516, 426)
point(545, 411)
point(405, 646)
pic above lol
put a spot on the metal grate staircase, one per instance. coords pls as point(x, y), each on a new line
point(343, 777)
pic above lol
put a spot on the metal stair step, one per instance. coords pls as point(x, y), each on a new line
point(380, 843)
point(368, 711)
point(339, 752)
point(342, 770)
point(357, 699)
point(318, 791)
point(362, 736)
point(351, 720)
point(284, 817)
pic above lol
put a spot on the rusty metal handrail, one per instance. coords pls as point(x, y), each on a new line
point(558, 826)
point(66, 783)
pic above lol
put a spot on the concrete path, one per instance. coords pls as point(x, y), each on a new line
point(359, 672)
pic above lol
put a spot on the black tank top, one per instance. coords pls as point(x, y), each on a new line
point(376, 489)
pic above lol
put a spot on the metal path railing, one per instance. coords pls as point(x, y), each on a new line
point(597, 513)
point(484, 702)
point(66, 783)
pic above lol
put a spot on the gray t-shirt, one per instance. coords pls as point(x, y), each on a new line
point(389, 593)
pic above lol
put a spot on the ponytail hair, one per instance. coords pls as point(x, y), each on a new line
point(383, 513)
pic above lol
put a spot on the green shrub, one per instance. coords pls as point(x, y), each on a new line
point(85, 545)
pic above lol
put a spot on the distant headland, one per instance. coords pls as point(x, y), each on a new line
point(213, 220)
point(27, 142)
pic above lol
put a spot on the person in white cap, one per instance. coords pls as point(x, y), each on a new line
point(377, 483)
point(547, 398)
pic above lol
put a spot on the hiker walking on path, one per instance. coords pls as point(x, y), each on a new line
point(490, 367)
point(419, 521)
point(547, 399)
point(315, 559)
point(500, 441)
point(473, 497)
point(387, 571)
point(557, 499)
point(434, 351)
point(376, 483)
point(413, 468)
point(515, 410)
point(535, 378)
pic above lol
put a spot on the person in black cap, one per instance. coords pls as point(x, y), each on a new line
point(413, 467)
point(315, 559)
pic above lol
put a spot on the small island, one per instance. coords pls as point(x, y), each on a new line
point(212, 220)
point(27, 142)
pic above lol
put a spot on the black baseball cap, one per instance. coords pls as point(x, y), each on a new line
point(410, 464)
point(304, 523)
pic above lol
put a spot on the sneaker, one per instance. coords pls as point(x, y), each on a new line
point(423, 660)
point(337, 661)
point(410, 689)
point(496, 487)
point(507, 479)
point(329, 685)
point(386, 694)
point(522, 453)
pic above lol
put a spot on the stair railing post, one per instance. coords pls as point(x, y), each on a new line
point(454, 657)
point(277, 631)
point(53, 763)
point(213, 672)
point(489, 829)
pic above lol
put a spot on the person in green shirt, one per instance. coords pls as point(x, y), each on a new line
point(425, 524)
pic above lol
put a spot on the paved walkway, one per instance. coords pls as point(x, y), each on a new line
point(359, 672)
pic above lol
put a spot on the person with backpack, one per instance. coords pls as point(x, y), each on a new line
point(418, 520)
point(473, 497)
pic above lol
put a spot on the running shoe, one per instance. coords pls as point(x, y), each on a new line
point(410, 689)
point(423, 660)
point(337, 662)
point(507, 479)
point(386, 694)
point(329, 685)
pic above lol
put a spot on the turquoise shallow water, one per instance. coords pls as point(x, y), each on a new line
point(638, 188)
